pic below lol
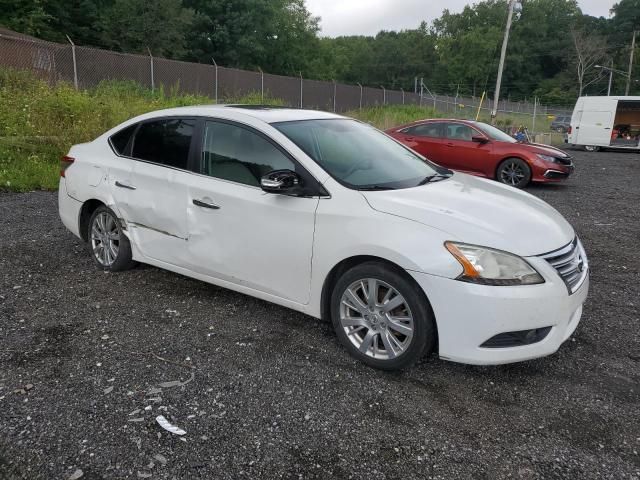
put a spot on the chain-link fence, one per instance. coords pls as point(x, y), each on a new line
point(86, 67)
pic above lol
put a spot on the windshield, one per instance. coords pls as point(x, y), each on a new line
point(359, 156)
point(495, 134)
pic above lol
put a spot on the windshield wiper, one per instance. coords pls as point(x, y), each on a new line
point(369, 188)
point(436, 177)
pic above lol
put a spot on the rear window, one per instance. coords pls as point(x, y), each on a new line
point(120, 140)
point(166, 142)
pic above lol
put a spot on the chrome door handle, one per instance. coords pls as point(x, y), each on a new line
point(124, 185)
point(200, 203)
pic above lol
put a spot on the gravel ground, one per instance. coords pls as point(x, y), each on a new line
point(269, 393)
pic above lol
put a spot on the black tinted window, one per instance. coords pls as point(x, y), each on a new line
point(234, 153)
point(458, 131)
point(120, 140)
point(164, 141)
point(433, 130)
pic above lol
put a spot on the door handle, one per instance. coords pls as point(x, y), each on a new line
point(124, 185)
point(200, 203)
point(450, 145)
point(409, 139)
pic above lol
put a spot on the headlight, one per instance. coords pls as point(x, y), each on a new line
point(546, 158)
point(487, 266)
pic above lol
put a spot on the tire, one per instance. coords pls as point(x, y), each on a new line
point(514, 172)
point(592, 148)
point(105, 229)
point(391, 333)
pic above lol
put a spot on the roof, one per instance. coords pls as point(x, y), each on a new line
point(266, 114)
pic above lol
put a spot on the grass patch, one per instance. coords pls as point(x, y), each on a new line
point(40, 122)
point(392, 115)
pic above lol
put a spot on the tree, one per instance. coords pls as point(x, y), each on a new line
point(25, 16)
point(135, 25)
point(589, 50)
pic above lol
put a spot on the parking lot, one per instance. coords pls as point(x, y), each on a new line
point(89, 359)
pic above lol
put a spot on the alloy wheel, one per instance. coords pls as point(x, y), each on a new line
point(376, 319)
point(105, 238)
point(512, 173)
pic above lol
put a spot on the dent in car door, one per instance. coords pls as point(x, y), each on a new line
point(237, 232)
point(158, 188)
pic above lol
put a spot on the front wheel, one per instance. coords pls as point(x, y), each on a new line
point(109, 246)
point(591, 148)
point(381, 317)
point(514, 172)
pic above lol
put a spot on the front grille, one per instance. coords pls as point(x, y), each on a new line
point(517, 339)
point(571, 264)
point(564, 161)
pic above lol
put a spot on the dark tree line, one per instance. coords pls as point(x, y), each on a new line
point(458, 52)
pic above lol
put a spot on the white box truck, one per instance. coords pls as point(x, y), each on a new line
point(606, 122)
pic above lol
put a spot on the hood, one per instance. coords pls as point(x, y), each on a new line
point(545, 150)
point(481, 212)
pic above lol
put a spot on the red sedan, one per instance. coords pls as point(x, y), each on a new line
point(480, 149)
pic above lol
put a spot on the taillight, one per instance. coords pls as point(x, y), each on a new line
point(569, 130)
point(65, 162)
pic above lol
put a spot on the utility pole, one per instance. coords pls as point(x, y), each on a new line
point(503, 53)
point(633, 50)
point(610, 79)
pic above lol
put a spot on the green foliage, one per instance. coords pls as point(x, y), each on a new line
point(384, 117)
point(456, 53)
point(38, 123)
point(160, 25)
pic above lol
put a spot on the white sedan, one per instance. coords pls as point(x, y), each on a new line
point(331, 217)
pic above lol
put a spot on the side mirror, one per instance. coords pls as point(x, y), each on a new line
point(479, 139)
point(286, 182)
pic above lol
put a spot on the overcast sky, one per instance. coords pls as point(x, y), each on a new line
point(368, 17)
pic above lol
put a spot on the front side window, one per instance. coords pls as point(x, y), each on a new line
point(459, 131)
point(359, 156)
point(237, 154)
point(431, 130)
point(166, 142)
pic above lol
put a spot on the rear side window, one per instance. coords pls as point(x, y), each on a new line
point(166, 142)
point(433, 130)
point(120, 140)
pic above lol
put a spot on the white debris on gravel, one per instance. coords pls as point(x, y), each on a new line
point(164, 423)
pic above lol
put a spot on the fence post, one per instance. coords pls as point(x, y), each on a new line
point(434, 102)
point(301, 81)
point(261, 85)
point(402, 95)
point(75, 66)
point(153, 84)
point(384, 95)
point(535, 105)
point(421, 89)
point(216, 65)
point(335, 89)
point(360, 85)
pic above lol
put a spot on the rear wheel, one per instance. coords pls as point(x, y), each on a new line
point(109, 246)
point(591, 148)
point(381, 317)
point(514, 172)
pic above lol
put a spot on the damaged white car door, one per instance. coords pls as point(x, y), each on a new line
point(239, 233)
point(153, 198)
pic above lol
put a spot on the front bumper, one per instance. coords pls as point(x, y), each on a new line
point(467, 315)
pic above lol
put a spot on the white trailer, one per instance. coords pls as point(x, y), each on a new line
point(606, 122)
